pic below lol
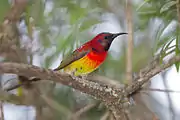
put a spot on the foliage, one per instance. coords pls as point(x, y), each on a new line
point(166, 36)
point(69, 23)
point(4, 6)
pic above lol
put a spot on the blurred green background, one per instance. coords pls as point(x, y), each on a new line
point(51, 29)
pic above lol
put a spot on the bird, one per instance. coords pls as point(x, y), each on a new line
point(89, 56)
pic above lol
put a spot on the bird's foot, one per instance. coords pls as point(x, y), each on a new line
point(75, 77)
point(72, 74)
point(84, 77)
point(78, 77)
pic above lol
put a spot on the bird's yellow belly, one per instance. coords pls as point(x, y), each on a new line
point(82, 66)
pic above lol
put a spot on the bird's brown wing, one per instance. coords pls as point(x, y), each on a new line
point(71, 58)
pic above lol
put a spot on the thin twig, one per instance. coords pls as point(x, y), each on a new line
point(77, 114)
point(159, 90)
point(127, 115)
point(155, 117)
point(172, 112)
point(55, 105)
point(1, 102)
point(105, 116)
point(178, 10)
point(136, 97)
point(111, 117)
point(2, 110)
point(7, 81)
point(30, 81)
point(130, 43)
point(15, 12)
point(153, 68)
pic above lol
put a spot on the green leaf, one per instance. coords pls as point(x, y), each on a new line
point(4, 7)
point(88, 23)
point(166, 6)
point(65, 43)
point(76, 13)
point(177, 66)
point(166, 45)
point(28, 23)
point(177, 50)
point(142, 4)
point(45, 40)
point(158, 35)
point(36, 11)
point(162, 40)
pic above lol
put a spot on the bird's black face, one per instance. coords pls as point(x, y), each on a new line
point(108, 38)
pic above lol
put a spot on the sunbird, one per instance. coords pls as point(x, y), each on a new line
point(89, 56)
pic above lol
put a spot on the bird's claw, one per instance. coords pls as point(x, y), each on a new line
point(72, 74)
point(83, 77)
point(78, 77)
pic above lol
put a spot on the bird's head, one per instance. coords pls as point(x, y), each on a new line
point(102, 41)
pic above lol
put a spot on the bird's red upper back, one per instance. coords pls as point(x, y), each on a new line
point(96, 50)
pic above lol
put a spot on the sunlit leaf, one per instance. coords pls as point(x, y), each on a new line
point(29, 23)
point(166, 6)
point(144, 2)
point(36, 11)
point(88, 23)
point(4, 7)
point(166, 45)
point(161, 39)
point(177, 50)
point(65, 43)
point(76, 13)
point(45, 40)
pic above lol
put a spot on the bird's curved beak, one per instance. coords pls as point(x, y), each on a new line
point(117, 34)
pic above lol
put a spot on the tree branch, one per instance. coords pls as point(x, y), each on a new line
point(15, 12)
point(160, 90)
point(130, 42)
point(178, 11)
point(9, 34)
point(152, 69)
point(11, 98)
point(111, 96)
point(99, 91)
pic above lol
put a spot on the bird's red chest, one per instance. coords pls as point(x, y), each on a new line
point(98, 58)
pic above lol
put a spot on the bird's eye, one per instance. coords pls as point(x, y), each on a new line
point(105, 37)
